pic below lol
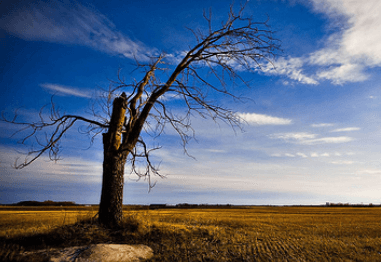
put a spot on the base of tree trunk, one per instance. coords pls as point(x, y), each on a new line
point(111, 205)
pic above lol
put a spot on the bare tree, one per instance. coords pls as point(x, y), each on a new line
point(213, 65)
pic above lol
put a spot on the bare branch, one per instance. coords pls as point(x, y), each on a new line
point(239, 44)
point(58, 125)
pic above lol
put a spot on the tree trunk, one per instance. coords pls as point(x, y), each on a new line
point(111, 205)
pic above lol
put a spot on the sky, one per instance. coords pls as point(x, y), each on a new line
point(312, 130)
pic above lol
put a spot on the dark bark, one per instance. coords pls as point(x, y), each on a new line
point(111, 204)
point(110, 209)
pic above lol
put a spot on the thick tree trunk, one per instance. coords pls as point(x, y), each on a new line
point(111, 205)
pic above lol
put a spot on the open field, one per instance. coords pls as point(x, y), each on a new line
point(235, 234)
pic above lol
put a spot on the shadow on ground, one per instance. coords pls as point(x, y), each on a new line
point(167, 244)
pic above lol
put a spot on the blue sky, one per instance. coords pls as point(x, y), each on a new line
point(313, 122)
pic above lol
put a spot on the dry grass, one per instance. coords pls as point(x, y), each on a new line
point(252, 234)
point(19, 221)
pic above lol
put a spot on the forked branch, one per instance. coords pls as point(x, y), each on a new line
point(47, 142)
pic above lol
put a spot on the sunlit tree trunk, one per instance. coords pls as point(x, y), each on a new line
point(111, 204)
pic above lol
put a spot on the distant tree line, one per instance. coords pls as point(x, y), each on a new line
point(350, 205)
point(45, 203)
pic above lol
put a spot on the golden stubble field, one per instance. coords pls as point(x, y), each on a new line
point(235, 234)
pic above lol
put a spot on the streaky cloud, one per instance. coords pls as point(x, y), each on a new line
point(322, 125)
point(71, 23)
point(342, 162)
point(304, 138)
point(65, 90)
point(314, 155)
point(291, 67)
point(301, 155)
point(293, 136)
point(261, 119)
point(327, 140)
point(347, 53)
point(347, 129)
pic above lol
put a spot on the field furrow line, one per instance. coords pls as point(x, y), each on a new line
point(279, 249)
point(261, 249)
point(266, 250)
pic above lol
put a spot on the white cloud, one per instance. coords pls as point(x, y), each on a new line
point(310, 139)
point(347, 53)
point(216, 150)
point(65, 90)
point(327, 140)
point(350, 52)
point(289, 155)
point(337, 154)
point(362, 36)
point(322, 125)
point(290, 67)
point(325, 155)
point(260, 119)
point(347, 129)
point(342, 162)
point(344, 73)
point(370, 171)
point(276, 155)
point(314, 155)
point(301, 155)
point(299, 136)
point(55, 22)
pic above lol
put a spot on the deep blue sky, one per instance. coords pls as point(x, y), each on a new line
point(313, 124)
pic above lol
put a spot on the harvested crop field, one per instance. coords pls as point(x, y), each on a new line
point(205, 234)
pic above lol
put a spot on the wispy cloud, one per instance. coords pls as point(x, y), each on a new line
point(289, 155)
point(331, 155)
point(327, 140)
point(370, 171)
point(314, 154)
point(260, 119)
point(297, 136)
point(322, 125)
point(292, 155)
point(348, 53)
point(342, 162)
point(301, 155)
point(216, 150)
point(347, 129)
point(290, 67)
point(309, 138)
point(54, 21)
point(66, 90)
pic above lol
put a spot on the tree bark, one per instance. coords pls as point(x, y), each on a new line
point(111, 204)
